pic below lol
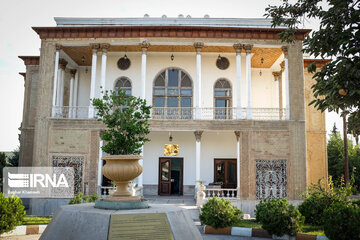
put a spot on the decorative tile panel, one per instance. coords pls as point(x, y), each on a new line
point(271, 180)
point(76, 163)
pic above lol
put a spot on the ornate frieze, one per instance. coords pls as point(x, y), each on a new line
point(271, 179)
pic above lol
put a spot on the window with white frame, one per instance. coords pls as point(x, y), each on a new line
point(124, 84)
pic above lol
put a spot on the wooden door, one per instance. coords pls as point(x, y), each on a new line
point(225, 172)
point(164, 176)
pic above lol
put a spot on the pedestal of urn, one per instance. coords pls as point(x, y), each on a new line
point(122, 169)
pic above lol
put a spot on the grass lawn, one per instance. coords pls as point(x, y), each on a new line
point(309, 229)
point(29, 220)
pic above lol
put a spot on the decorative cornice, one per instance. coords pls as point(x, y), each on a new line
point(238, 47)
point(276, 75)
point(319, 62)
point(62, 63)
point(198, 135)
point(285, 51)
point(164, 31)
point(198, 46)
point(73, 72)
point(248, 48)
point(30, 60)
point(104, 47)
point(23, 74)
point(237, 135)
point(144, 46)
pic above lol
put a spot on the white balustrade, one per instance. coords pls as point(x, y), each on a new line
point(227, 193)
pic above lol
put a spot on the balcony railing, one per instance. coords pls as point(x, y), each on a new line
point(171, 113)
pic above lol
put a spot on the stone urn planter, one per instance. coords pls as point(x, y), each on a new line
point(122, 169)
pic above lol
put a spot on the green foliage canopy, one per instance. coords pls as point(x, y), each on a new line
point(337, 83)
point(126, 119)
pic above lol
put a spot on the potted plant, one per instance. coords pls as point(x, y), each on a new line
point(126, 119)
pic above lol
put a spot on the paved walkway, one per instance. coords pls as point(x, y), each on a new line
point(188, 202)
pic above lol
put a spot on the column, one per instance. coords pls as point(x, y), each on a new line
point(197, 156)
point(100, 164)
point(104, 47)
point(71, 93)
point(248, 49)
point(144, 47)
point(57, 54)
point(277, 77)
point(287, 91)
point(61, 75)
point(237, 134)
point(198, 47)
point(94, 48)
point(76, 84)
point(238, 47)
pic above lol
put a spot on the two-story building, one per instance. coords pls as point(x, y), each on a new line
point(228, 92)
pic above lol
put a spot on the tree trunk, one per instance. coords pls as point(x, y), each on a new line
point(346, 156)
point(357, 140)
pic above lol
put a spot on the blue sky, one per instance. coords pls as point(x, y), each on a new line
point(17, 38)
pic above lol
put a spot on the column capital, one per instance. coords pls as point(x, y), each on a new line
point(144, 46)
point(198, 46)
point(282, 65)
point(95, 47)
point(198, 135)
point(276, 75)
point(62, 63)
point(248, 48)
point(237, 134)
point(58, 47)
point(73, 72)
point(285, 51)
point(104, 47)
point(238, 47)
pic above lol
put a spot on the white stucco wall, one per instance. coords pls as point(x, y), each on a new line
point(213, 145)
point(264, 88)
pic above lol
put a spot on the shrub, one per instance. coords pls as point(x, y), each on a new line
point(278, 217)
point(80, 198)
point(219, 213)
point(342, 221)
point(11, 213)
point(319, 198)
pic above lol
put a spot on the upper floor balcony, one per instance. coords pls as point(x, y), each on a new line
point(185, 113)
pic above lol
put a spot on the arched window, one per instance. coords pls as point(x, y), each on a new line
point(222, 99)
point(172, 94)
point(123, 84)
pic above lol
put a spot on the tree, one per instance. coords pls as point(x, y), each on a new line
point(126, 119)
point(354, 126)
point(14, 158)
point(334, 130)
point(337, 85)
point(3, 163)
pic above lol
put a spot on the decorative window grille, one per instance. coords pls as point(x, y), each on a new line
point(271, 181)
point(123, 84)
point(77, 164)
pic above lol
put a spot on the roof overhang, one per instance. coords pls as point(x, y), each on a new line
point(30, 60)
point(164, 31)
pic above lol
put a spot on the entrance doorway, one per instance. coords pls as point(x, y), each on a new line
point(225, 172)
point(170, 176)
